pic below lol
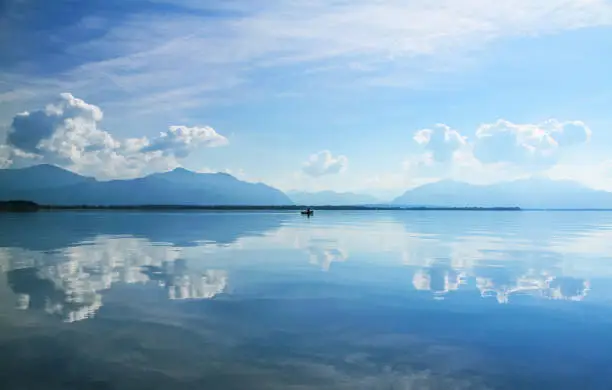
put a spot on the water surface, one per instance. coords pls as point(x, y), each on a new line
point(343, 300)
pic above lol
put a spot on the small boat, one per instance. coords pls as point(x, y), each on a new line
point(307, 212)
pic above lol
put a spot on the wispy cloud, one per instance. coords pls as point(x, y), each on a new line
point(206, 52)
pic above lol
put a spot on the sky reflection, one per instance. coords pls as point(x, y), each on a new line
point(350, 300)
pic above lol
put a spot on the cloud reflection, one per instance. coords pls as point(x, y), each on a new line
point(446, 261)
point(182, 283)
point(439, 280)
point(324, 256)
point(69, 283)
point(498, 256)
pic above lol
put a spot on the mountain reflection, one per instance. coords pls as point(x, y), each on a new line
point(51, 231)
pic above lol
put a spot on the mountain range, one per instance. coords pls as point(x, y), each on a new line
point(48, 184)
point(331, 198)
point(532, 193)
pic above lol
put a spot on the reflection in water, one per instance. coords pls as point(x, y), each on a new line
point(72, 299)
point(69, 283)
point(544, 286)
point(567, 288)
point(62, 262)
point(324, 256)
point(439, 280)
point(413, 306)
point(181, 283)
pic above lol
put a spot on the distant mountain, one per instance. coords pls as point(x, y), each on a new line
point(331, 198)
point(47, 184)
point(39, 177)
point(535, 193)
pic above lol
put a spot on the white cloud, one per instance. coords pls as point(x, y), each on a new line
point(180, 140)
point(537, 144)
point(324, 163)
point(68, 133)
point(442, 142)
point(499, 151)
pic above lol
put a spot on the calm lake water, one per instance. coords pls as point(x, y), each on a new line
point(343, 300)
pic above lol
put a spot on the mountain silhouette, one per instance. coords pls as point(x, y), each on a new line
point(39, 177)
point(534, 193)
point(51, 185)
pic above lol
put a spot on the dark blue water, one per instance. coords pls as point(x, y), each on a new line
point(343, 300)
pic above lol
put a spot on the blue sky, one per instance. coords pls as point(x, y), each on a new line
point(373, 96)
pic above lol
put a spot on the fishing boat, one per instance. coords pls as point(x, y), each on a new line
point(307, 212)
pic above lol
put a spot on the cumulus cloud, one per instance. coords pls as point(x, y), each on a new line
point(68, 133)
point(504, 141)
point(497, 149)
point(569, 133)
point(179, 140)
point(324, 163)
point(442, 142)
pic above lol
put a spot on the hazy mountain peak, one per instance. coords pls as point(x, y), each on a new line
point(45, 168)
point(42, 166)
point(225, 174)
point(38, 177)
point(532, 192)
point(181, 171)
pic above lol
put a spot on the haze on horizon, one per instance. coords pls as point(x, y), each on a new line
point(373, 97)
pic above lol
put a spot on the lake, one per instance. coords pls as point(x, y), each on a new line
point(342, 300)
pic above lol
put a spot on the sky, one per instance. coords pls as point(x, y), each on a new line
point(373, 96)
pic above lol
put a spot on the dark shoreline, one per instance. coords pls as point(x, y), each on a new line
point(26, 206)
